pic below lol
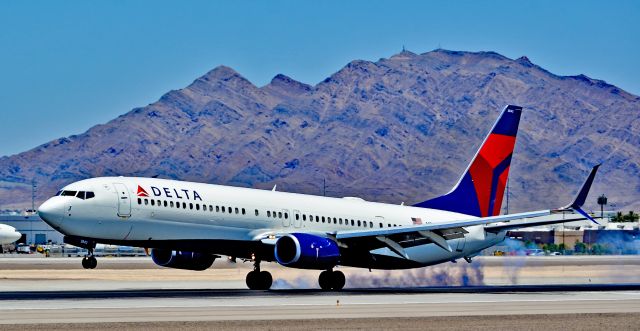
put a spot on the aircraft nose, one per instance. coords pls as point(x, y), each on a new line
point(15, 236)
point(52, 211)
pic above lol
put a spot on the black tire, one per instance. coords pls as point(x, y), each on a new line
point(252, 280)
point(325, 280)
point(85, 262)
point(93, 262)
point(338, 280)
point(265, 280)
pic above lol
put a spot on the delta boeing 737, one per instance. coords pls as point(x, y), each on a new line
point(188, 225)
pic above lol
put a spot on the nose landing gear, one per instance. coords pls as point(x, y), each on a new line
point(259, 280)
point(331, 280)
point(89, 261)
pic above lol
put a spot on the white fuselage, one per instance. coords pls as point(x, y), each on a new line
point(8, 234)
point(222, 217)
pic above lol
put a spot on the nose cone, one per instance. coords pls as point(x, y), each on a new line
point(52, 212)
point(13, 237)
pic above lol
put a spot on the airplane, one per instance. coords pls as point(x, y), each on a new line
point(8, 234)
point(188, 225)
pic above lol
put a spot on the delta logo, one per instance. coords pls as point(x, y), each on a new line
point(171, 193)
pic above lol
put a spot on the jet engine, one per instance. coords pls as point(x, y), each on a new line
point(181, 259)
point(307, 251)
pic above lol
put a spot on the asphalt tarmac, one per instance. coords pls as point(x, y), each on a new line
point(178, 300)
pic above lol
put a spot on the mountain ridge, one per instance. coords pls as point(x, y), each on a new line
point(364, 124)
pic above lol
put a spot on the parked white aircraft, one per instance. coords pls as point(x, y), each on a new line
point(188, 225)
point(8, 234)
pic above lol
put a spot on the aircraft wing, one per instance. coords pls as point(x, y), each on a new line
point(495, 228)
point(397, 239)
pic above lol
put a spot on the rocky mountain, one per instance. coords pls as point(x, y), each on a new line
point(396, 130)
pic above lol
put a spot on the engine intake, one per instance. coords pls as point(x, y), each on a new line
point(307, 251)
point(181, 259)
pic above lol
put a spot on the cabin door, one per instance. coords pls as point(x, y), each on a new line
point(124, 202)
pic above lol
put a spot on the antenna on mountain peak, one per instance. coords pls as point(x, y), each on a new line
point(403, 49)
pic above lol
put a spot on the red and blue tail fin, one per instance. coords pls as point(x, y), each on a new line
point(480, 189)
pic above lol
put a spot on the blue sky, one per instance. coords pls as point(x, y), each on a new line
point(66, 66)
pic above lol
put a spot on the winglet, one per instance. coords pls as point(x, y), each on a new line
point(581, 197)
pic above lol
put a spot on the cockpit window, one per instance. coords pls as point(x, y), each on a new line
point(78, 194)
point(59, 192)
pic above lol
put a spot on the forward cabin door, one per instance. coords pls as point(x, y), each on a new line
point(124, 202)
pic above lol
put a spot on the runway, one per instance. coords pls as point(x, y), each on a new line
point(65, 297)
point(211, 305)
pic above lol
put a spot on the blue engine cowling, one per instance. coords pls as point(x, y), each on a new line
point(307, 251)
point(182, 260)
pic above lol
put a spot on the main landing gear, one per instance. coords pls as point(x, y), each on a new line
point(331, 280)
point(89, 261)
point(259, 280)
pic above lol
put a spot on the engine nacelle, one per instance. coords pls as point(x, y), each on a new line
point(307, 251)
point(182, 260)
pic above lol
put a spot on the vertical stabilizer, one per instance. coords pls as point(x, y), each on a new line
point(480, 190)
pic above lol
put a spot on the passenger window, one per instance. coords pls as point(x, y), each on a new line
point(297, 217)
point(197, 207)
point(279, 214)
point(139, 201)
point(340, 221)
point(353, 223)
point(322, 219)
point(243, 212)
point(171, 204)
point(257, 212)
point(223, 209)
point(380, 224)
point(165, 203)
point(286, 216)
point(304, 217)
point(335, 220)
point(358, 222)
point(268, 213)
point(153, 202)
point(184, 205)
point(146, 202)
point(371, 224)
point(190, 205)
point(230, 210)
point(237, 211)
point(211, 208)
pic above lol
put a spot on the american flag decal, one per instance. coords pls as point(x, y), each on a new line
point(416, 220)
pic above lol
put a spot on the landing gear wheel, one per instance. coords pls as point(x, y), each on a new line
point(338, 280)
point(89, 262)
point(265, 280)
point(93, 262)
point(253, 280)
point(85, 262)
point(325, 280)
point(259, 280)
point(331, 280)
